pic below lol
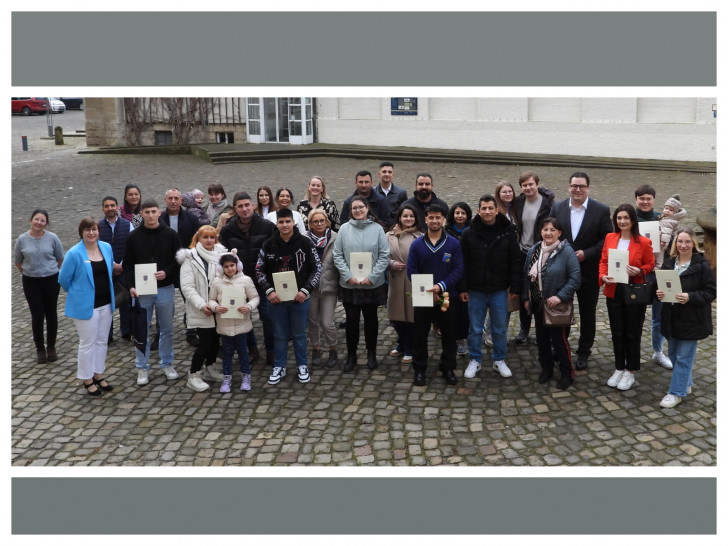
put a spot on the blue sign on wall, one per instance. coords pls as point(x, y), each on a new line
point(404, 106)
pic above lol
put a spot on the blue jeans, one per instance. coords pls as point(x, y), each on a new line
point(682, 355)
point(289, 322)
point(268, 342)
point(478, 304)
point(657, 337)
point(230, 344)
point(163, 302)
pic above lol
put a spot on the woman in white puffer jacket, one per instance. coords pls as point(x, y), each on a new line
point(198, 269)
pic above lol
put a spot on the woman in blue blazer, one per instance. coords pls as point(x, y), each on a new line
point(86, 277)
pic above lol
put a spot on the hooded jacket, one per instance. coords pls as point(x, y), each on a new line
point(233, 326)
point(297, 255)
point(248, 247)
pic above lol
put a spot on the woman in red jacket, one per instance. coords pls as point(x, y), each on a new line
point(625, 321)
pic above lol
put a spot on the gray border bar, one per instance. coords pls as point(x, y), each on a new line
point(364, 48)
point(326, 506)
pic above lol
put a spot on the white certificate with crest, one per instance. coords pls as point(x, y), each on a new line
point(651, 230)
point(232, 298)
point(144, 280)
point(668, 280)
point(285, 284)
point(360, 265)
point(420, 296)
point(617, 265)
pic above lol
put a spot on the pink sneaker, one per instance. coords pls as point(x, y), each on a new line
point(245, 385)
point(226, 381)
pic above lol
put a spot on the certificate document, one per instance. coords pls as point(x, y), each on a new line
point(617, 265)
point(668, 280)
point(144, 279)
point(360, 265)
point(232, 298)
point(651, 230)
point(420, 296)
point(285, 284)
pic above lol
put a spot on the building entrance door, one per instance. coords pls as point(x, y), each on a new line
point(280, 119)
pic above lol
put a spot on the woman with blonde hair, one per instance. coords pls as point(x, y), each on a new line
point(317, 198)
point(198, 267)
point(323, 298)
point(504, 197)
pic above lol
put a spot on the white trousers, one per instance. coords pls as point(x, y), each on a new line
point(93, 341)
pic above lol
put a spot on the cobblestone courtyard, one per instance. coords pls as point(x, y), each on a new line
point(365, 418)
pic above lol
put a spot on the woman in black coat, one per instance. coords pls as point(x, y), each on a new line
point(690, 319)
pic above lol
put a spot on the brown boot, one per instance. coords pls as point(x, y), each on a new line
point(42, 356)
point(52, 356)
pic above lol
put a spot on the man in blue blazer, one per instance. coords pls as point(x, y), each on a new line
point(586, 222)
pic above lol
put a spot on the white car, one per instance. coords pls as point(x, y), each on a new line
point(57, 106)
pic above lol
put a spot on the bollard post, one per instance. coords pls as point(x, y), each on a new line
point(59, 135)
point(24, 140)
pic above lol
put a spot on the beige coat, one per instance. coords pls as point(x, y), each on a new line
point(233, 326)
point(399, 301)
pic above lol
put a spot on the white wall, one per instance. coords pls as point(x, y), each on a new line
point(646, 128)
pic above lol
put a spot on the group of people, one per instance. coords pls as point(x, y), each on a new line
point(525, 252)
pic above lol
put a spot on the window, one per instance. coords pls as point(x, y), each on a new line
point(162, 138)
point(226, 138)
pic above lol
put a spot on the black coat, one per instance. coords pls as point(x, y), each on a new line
point(187, 226)
point(594, 227)
point(694, 319)
point(491, 267)
point(543, 212)
point(248, 248)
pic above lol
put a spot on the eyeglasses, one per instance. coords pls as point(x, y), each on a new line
point(579, 187)
point(318, 221)
point(358, 208)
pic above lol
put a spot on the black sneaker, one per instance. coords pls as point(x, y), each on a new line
point(522, 336)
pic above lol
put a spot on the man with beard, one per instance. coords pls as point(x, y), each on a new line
point(377, 204)
point(424, 197)
point(439, 254)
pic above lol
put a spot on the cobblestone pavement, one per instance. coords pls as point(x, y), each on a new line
point(363, 418)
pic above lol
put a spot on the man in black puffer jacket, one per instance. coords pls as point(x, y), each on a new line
point(246, 232)
point(492, 266)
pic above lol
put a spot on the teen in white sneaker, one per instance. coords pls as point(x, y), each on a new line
point(670, 401)
point(278, 374)
point(661, 359)
point(472, 369)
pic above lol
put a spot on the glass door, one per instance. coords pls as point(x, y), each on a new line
point(280, 119)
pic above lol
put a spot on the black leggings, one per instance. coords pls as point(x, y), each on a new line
point(206, 351)
point(42, 296)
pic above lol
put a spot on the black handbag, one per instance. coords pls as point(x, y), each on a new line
point(560, 315)
point(639, 294)
point(139, 326)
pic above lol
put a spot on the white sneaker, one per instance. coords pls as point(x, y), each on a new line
point(502, 368)
point(462, 348)
point(487, 339)
point(627, 381)
point(670, 401)
point(472, 369)
point(277, 375)
point(303, 376)
point(196, 383)
point(407, 359)
point(170, 372)
point(661, 359)
point(616, 377)
point(210, 374)
point(142, 376)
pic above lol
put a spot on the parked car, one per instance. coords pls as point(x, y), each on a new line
point(57, 105)
point(29, 105)
point(36, 105)
point(75, 103)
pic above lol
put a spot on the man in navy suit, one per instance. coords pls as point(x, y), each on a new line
point(586, 222)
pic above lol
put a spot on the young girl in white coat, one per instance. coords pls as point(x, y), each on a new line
point(234, 331)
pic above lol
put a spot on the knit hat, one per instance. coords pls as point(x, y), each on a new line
point(674, 203)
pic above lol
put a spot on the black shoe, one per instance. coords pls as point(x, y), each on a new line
point(315, 357)
point(88, 386)
point(582, 362)
point(253, 355)
point(372, 360)
point(350, 363)
point(522, 336)
point(342, 324)
point(333, 360)
point(154, 346)
point(449, 377)
point(564, 382)
point(192, 339)
point(420, 379)
point(42, 356)
point(545, 376)
point(107, 387)
point(52, 355)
